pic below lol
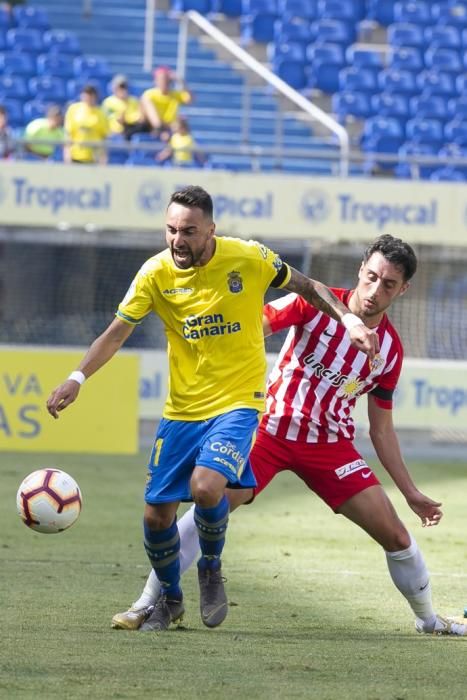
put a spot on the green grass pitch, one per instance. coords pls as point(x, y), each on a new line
point(313, 613)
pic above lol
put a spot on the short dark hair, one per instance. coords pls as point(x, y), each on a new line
point(89, 89)
point(396, 251)
point(194, 197)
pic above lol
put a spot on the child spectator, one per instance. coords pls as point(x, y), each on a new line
point(181, 148)
point(48, 128)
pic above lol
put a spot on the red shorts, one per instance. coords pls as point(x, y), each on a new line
point(334, 471)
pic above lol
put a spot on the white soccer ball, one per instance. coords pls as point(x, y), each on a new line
point(49, 501)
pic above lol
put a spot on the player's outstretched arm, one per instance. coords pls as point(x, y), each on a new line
point(321, 297)
point(386, 444)
point(100, 352)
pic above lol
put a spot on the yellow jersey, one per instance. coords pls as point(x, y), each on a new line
point(212, 316)
point(118, 110)
point(85, 123)
point(167, 105)
point(183, 146)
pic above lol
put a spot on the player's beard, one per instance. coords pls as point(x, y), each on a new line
point(187, 262)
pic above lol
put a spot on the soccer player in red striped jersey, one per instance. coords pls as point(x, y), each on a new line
point(308, 427)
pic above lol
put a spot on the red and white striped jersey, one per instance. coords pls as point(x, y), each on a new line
point(318, 375)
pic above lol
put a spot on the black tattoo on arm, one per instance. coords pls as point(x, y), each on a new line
point(317, 294)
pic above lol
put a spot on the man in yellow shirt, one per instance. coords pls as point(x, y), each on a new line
point(122, 109)
point(85, 122)
point(160, 103)
point(209, 293)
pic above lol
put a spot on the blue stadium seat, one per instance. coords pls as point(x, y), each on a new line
point(406, 34)
point(461, 84)
point(303, 9)
point(406, 58)
point(12, 63)
point(455, 151)
point(258, 27)
point(429, 131)
point(291, 72)
point(453, 14)
point(48, 89)
point(201, 6)
point(457, 108)
point(382, 11)
point(456, 131)
point(443, 59)
point(58, 41)
point(333, 31)
point(231, 8)
point(391, 104)
point(448, 174)
point(364, 58)
point(29, 40)
point(325, 63)
point(295, 30)
point(432, 82)
point(400, 81)
point(381, 135)
point(13, 87)
point(253, 6)
point(31, 17)
point(74, 87)
point(34, 109)
point(289, 51)
point(408, 170)
point(359, 79)
point(14, 110)
point(413, 12)
point(351, 103)
point(6, 21)
point(55, 64)
point(445, 37)
point(347, 10)
point(116, 155)
point(91, 67)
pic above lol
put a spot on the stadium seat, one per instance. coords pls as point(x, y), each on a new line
point(6, 21)
point(55, 64)
point(359, 79)
point(456, 131)
point(432, 82)
point(383, 127)
point(413, 12)
point(231, 8)
point(406, 58)
point(406, 34)
point(201, 6)
point(351, 103)
point(91, 67)
point(448, 174)
point(347, 10)
point(333, 31)
point(325, 63)
point(382, 11)
point(303, 9)
point(400, 81)
point(454, 152)
point(429, 131)
point(453, 14)
point(429, 107)
point(62, 42)
point(14, 110)
point(291, 72)
point(457, 108)
point(286, 51)
point(13, 87)
point(296, 30)
point(27, 16)
point(13, 63)
point(381, 135)
point(48, 89)
point(443, 59)
point(253, 6)
point(364, 58)
point(415, 170)
point(445, 37)
point(116, 153)
point(74, 87)
point(258, 27)
point(34, 109)
point(28, 40)
point(391, 104)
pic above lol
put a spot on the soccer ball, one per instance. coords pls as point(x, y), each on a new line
point(48, 500)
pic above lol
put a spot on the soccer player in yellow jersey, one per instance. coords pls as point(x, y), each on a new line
point(85, 122)
point(209, 293)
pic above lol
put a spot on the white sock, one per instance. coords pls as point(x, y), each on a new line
point(189, 548)
point(410, 575)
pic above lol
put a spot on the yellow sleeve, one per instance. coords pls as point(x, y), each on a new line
point(138, 301)
point(275, 272)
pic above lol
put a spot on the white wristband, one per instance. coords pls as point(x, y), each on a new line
point(77, 376)
point(350, 321)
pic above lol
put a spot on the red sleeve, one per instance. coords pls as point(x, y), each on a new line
point(384, 391)
point(291, 310)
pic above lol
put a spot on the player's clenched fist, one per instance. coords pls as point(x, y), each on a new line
point(62, 396)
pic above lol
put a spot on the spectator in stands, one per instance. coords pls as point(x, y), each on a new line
point(122, 109)
point(181, 148)
point(160, 103)
point(48, 128)
point(85, 123)
point(7, 144)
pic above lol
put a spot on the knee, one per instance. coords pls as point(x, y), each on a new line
point(155, 520)
point(397, 540)
point(205, 493)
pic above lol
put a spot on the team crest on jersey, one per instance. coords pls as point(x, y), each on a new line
point(376, 363)
point(235, 282)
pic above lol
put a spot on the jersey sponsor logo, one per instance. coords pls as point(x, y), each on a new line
point(27, 194)
point(348, 386)
point(235, 282)
point(350, 468)
point(351, 388)
point(228, 451)
point(197, 327)
point(178, 290)
point(366, 475)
